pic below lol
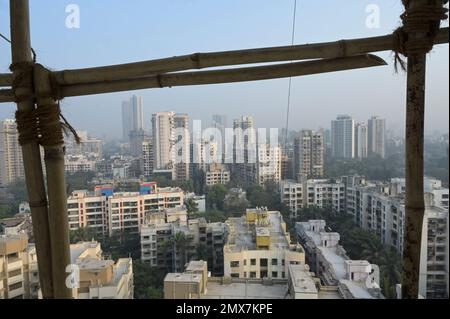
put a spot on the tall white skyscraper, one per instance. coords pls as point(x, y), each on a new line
point(11, 162)
point(171, 143)
point(361, 140)
point(377, 137)
point(132, 116)
point(343, 137)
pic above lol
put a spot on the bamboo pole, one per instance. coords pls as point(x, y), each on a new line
point(21, 52)
point(226, 76)
point(205, 60)
point(57, 197)
point(6, 79)
point(415, 206)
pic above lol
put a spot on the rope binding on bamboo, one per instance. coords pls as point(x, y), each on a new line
point(43, 124)
point(425, 19)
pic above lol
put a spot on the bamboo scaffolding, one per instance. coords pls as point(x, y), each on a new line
point(415, 206)
point(226, 76)
point(57, 197)
point(34, 177)
point(6, 79)
point(328, 50)
point(275, 71)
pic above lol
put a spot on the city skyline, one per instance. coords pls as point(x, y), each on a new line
point(269, 26)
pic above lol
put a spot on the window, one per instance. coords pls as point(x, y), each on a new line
point(245, 262)
point(263, 262)
point(283, 262)
point(234, 275)
point(253, 262)
point(252, 274)
point(15, 273)
point(234, 264)
point(15, 286)
point(274, 274)
point(274, 262)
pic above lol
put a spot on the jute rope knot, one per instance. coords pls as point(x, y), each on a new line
point(42, 124)
point(425, 19)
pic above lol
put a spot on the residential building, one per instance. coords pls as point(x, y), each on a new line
point(343, 137)
point(329, 261)
point(377, 137)
point(320, 193)
point(380, 208)
point(259, 246)
point(147, 158)
point(268, 167)
point(171, 244)
point(206, 153)
point(89, 146)
point(217, 174)
point(19, 224)
point(100, 278)
point(171, 144)
point(361, 141)
point(244, 150)
point(11, 162)
point(79, 163)
point(106, 211)
point(287, 167)
point(14, 267)
point(309, 155)
point(194, 283)
point(199, 200)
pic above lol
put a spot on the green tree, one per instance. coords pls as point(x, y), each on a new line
point(148, 281)
point(82, 234)
point(191, 206)
point(215, 196)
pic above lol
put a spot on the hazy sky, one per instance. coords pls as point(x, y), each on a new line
point(119, 31)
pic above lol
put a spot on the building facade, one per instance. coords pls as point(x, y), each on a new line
point(11, 162)
point(309, 155)
point(319, 193)
point(268, 167)
point(259, 246)
point(377, 137)
point(343, 137)
point(107, 212)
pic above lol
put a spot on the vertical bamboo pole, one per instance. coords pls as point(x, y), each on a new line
point(21, 53)
point(57, 197)
point(415, 206)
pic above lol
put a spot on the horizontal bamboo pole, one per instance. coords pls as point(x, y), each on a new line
point(227, 75)
point(6, 79)
point(206, 60)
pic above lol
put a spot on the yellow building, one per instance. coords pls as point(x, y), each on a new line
point(259, 246)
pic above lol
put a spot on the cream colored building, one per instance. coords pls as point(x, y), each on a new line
point(331, 264)
point(268, 166)
point(100, 278)
point(259, 246)
point(195, 283)
point(320, 193)
point(119, 211)
point(14, 267)
point(217, 174)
